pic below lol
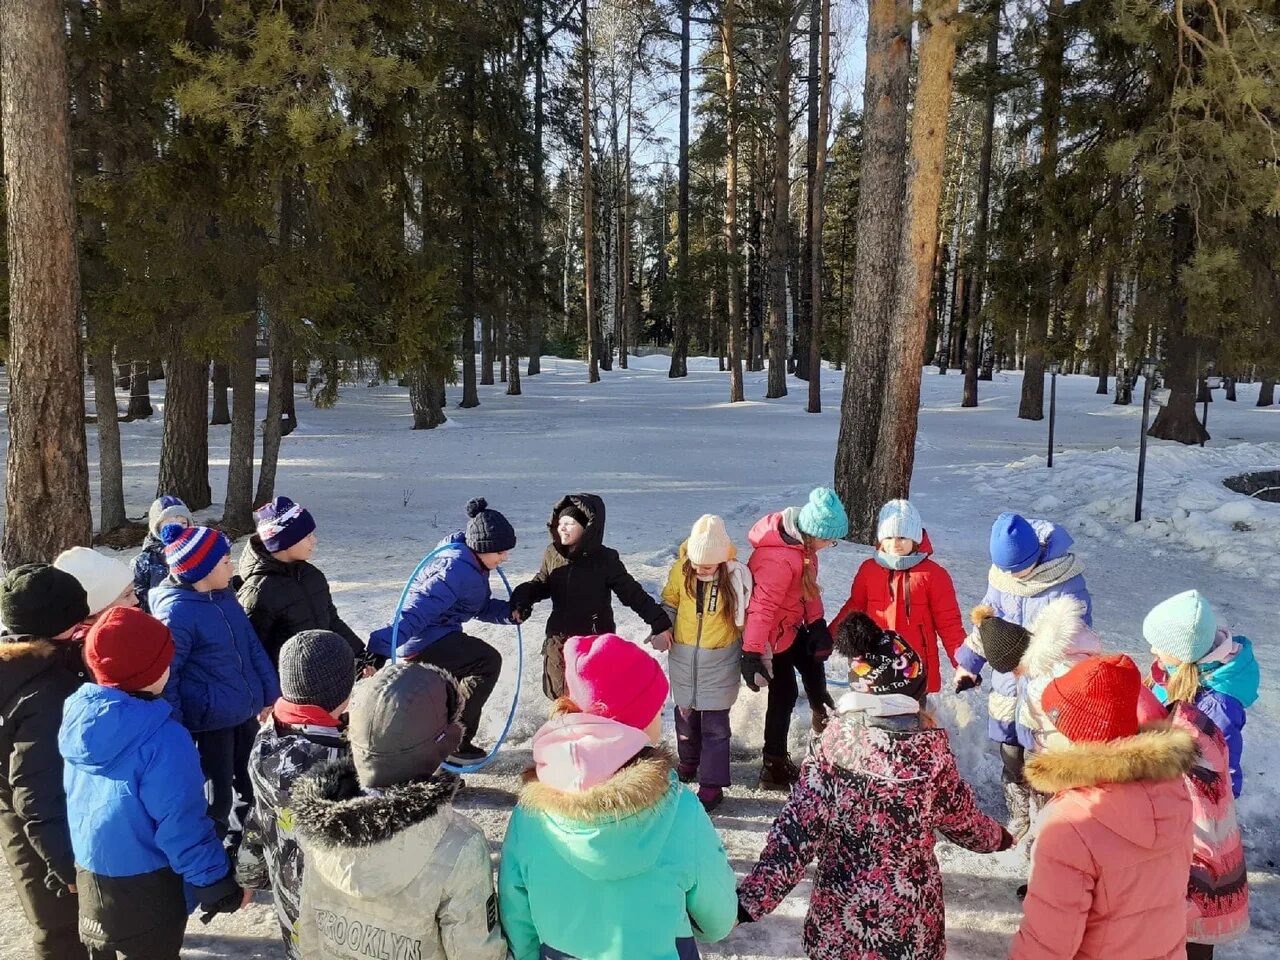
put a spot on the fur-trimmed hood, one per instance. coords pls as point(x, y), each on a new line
point(23, 658)
point(1059, 637)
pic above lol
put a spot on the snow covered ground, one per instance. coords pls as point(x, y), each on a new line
point(662, 452)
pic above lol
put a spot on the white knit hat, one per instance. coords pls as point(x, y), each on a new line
point(709, 542)
point(103, 578)
point(898, 518)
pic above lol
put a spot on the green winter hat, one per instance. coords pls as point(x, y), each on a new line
point(1182, 627)
point(823, 516)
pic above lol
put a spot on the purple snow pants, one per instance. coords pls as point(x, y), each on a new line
point(702, 740)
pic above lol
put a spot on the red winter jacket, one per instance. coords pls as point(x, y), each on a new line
point(919, 603)
point(776, 607)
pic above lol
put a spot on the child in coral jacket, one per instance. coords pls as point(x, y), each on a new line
point(879, 784)
point(903, 589)
point(706, 597)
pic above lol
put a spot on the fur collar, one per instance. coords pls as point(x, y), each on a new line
point(636, 787)
point(330, 808)
point(1054, 635)
point(24, 648)
point(1158, 752)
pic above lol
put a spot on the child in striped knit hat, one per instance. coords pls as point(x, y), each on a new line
point(222, 681)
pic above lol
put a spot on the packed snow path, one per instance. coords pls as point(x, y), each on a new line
point(662, 452)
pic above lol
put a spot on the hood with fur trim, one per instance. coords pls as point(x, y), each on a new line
point(1059, 636)
point(1158, 752)
point(23, 658)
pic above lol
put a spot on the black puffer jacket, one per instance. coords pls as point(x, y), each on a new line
point(581, 580)
point(36, 677)
point(283, 599)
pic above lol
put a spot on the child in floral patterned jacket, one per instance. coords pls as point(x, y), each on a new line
point(868, 801)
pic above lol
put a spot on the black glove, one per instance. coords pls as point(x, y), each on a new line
point(225, 896)
point(967, 683)
point(753, 666)
point(1006, 840)
point(743, 916)
point(820, 642)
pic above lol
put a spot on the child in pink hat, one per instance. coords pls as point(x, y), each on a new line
point(605, 824)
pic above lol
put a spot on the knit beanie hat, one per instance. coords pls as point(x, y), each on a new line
point(317, 668)
point(898, 518)
point(404, 722)
point(575, 513)
point(283, 524)
point(1182, 627)
point(1014, 544)
point(193, 552)
point(709, 542)
point(1096, 700)
point(39, 600)
point(610, 677)
point(823, 516)
point(128, 649)
point(880, 661)
point(1003, 643)
point(104, 578)
point(488, 531)
point(165, 510)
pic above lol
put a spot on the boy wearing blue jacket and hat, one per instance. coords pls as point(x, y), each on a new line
point(135, 800)
point(222, 679)
point(452, 589)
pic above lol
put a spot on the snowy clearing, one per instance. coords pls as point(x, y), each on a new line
point(662, 452)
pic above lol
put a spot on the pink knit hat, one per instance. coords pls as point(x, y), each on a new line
point(607, 676)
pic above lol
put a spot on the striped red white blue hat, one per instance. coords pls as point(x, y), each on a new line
point(193, 552)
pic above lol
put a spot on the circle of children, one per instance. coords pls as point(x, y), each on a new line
point(216, 740)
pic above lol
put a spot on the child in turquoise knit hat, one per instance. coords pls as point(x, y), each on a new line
point(1198, 662)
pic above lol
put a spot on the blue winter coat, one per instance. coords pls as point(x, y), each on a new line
point(221, 676)
point(135, 793)
point(149, 570)
point(1226, 691)
point(452, 589)
point(1002, 726)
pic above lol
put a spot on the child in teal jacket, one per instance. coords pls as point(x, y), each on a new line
point(608, 856)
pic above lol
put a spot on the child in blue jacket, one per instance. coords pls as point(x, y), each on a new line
point(149, 568)
point(222, 680)
point(135, 799)
point(452, 589)
point(1197, 662)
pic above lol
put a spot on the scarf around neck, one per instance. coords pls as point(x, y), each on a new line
point(893, 562)
point(1050, 574)
point(303, 715)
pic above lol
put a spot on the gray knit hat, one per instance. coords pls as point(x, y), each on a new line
point(488, 531)
point(317, 668)
point(405, 721)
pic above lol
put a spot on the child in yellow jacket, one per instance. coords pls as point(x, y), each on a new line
point(706, 597)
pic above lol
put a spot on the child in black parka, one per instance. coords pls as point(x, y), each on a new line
point(580, 576)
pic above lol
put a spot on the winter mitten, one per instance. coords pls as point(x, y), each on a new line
point(743, 916)
point(1006, 840)
point(225, 896)
point(820, 642)
point(967, 681)
point(755, 671)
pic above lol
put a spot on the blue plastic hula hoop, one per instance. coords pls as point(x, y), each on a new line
point(515, 700)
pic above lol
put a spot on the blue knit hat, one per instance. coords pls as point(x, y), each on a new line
point(823, 516)
point(898, 518)
point(193, 552)
point(488, 531)
point(282, 524)
point(1014, 544)
point(1182, 627)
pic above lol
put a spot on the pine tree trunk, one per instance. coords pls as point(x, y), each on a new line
point(111, 512)
point(221, 384)
point(588, 213)
point(727, 41)
point(467, 286)
point(680, 338)
point(1177, 419)
point(823, 10)
point(895, 459)
point(139, 392)
point(1229, 391)
point(539, 197)
point(1267, 393)
point(47, 506)
point(486, 348)
point(778, 252)
point(879, 233)
point(1107, 330)
point(1031, 406)
point(184, 446)
point(426, 398)
point(237, 507)
point(279, 358)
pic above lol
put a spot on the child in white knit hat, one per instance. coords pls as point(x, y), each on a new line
point(107, 582)
point(706, 597)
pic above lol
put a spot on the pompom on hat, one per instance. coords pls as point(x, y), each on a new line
point(823, 516)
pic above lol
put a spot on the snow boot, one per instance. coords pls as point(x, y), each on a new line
point(687, 772)
point(467, 754)
point(1018, 798)
point(778, 773)
point(710, 797)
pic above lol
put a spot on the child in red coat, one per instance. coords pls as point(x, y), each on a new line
point(904, 590)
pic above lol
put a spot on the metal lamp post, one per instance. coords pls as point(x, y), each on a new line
point(1148, 371)
point(1054, 367)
